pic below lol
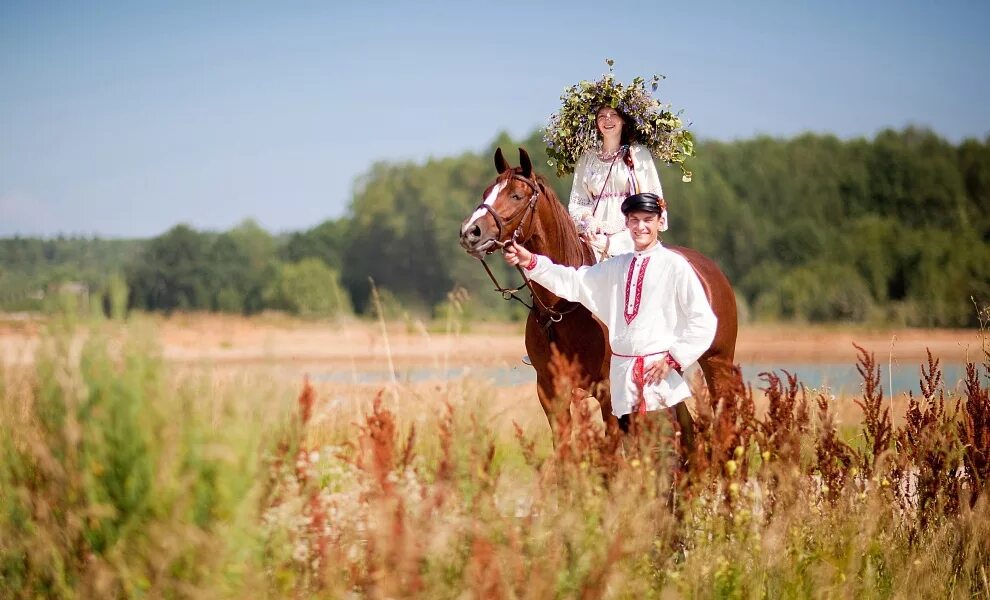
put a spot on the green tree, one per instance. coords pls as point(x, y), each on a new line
point(172, 272)
point(309, 288)
point(326, 242)
point(819, 292)
point(974, 164)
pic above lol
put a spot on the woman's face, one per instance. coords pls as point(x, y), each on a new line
point(609, 122)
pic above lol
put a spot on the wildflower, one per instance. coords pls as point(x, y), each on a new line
point(300, 552)
point(731, 466)
point(739, 518)
point(738, 452)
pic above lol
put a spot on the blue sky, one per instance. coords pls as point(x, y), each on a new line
point(124, 119)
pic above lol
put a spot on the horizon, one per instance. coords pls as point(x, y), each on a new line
point(121, 122)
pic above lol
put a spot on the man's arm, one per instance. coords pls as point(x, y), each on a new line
point(693, 305)
point(587, 285)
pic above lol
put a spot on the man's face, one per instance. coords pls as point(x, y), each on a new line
point(643, 227)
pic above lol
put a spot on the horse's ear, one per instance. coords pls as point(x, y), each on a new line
point(500, 165)
point(525, 163)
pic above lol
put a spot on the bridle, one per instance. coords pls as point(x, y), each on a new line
point(525, 215)
point(526, 212)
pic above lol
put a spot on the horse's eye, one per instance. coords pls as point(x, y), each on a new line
point(516, 197)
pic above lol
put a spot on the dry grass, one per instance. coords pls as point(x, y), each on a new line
point(124, 474)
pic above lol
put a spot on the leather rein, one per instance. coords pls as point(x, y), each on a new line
point(525, 215)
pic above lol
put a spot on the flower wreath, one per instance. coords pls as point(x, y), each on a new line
point(571, 132)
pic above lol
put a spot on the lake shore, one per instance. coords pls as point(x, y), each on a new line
point(224, 339)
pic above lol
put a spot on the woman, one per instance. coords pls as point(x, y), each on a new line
point(607, 175)
point(612, 156)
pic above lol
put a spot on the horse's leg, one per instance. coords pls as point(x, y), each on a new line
point(687, 428)
point(603, 393)
point(613, 434)
point(555, 406)
point(720, 376)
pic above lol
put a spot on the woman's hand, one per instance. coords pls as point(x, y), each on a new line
point(516, 254)
point(589, 227)
point(656, 372)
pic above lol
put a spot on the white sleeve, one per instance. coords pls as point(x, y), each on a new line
point(646, 171)
point(692, 305)
point(647, 177)
point(588, 285)
point(581, 203)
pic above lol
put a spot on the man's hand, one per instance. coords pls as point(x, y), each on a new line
point(516, 254)
point(656, 372)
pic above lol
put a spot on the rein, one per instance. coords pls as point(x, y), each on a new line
point(527, 216)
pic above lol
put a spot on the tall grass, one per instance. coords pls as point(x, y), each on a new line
point(121, 477)
point(118, 478)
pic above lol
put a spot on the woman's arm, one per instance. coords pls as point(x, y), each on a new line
point(646, 171)
point(581, 204)
point(647, 177)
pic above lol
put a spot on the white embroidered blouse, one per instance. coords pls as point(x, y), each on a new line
point(593, 182)
point(652, 303)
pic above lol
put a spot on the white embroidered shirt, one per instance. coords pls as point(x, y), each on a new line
point(652, 303)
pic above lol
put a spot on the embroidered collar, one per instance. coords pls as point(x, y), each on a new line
point(649, 251)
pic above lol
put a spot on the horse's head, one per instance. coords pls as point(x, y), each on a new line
point(507, 211)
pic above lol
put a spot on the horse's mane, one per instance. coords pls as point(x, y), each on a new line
point(564, 246)
point(571, 250)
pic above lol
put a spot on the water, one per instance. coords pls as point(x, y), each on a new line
point(841, 378)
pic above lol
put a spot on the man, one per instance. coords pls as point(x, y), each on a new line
point(659, 320)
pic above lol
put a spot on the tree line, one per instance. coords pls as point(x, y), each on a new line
point(894, 229)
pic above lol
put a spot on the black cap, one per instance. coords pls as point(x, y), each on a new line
point(645, 202)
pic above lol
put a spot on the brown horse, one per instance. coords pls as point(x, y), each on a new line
point(521, 205)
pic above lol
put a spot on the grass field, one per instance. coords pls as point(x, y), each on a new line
point(188, 458)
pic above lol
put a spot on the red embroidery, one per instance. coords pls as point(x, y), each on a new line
point(638, 377)
point(625, 305)
point(639, 289)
